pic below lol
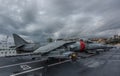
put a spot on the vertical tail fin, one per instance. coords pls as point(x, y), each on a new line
point(19, 41)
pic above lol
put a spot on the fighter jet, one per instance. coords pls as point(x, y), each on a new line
point(74, 46)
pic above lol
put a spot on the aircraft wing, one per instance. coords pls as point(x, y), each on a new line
point(52, 46)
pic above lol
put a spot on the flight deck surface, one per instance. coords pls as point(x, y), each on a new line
point(105, 64)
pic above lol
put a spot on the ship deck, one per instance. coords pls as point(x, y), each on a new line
point(105, 64)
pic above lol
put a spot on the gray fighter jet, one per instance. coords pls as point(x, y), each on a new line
point(78, 46)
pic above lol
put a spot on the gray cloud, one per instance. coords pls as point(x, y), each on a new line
point(40, 19)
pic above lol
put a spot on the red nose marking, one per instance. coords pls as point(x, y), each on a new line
point(82, 46)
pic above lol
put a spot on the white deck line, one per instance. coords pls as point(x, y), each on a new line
point(35, 69)
point(19, 64)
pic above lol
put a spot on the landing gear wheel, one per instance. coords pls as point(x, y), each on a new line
point(73, 57)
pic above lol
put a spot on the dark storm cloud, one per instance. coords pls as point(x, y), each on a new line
point(40, 19)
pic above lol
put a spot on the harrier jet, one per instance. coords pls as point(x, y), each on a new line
point(58, 46)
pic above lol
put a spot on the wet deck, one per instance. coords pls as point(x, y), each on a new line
point(105, 64)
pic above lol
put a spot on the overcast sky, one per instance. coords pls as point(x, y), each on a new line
point(40, 19)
